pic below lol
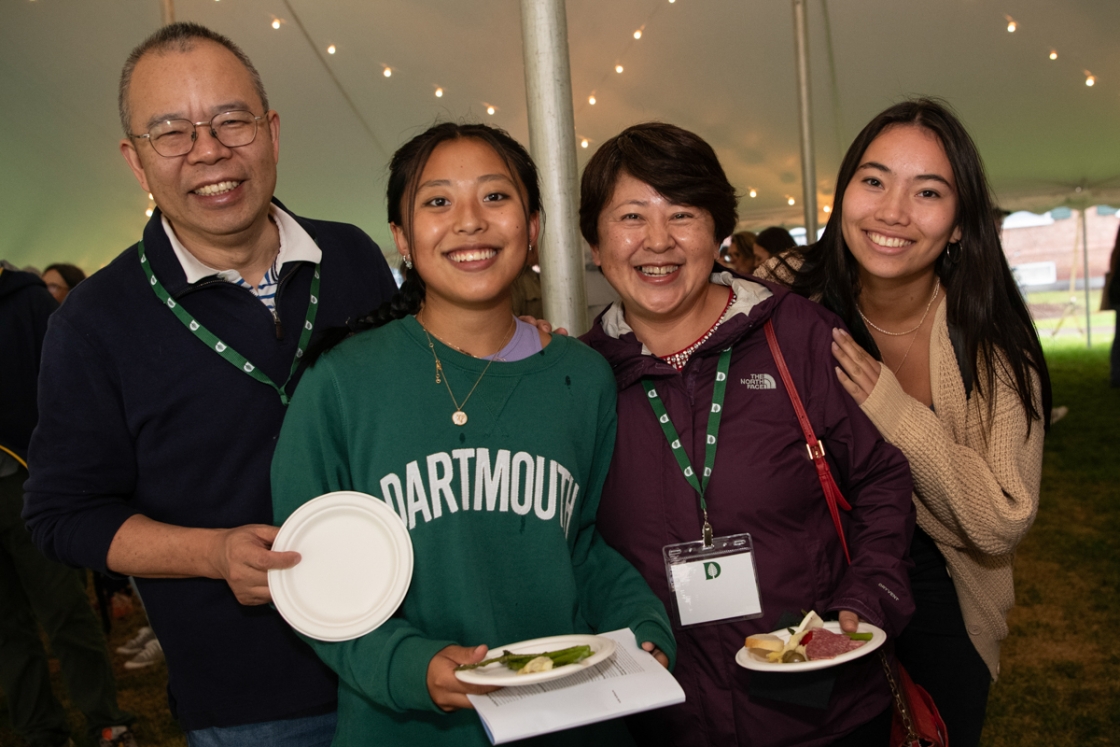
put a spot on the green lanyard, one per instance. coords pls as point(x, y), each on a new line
point(236, 359)
point(719, 390)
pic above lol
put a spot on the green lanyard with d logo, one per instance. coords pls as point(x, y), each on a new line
point(211, 340)
point(714, 579)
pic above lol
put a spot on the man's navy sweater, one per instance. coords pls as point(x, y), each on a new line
point(137, 415)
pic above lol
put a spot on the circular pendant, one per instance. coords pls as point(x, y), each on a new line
point(459, 417)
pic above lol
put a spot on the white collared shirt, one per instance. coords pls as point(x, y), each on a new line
point(296, 245)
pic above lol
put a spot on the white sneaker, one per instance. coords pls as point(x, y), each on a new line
point(137, 643)
point(152, 654)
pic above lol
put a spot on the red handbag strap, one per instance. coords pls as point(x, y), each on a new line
point(832, 494)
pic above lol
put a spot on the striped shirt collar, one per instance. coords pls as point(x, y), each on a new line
point(296, 245)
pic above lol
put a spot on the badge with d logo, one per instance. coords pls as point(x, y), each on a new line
point(713, 583)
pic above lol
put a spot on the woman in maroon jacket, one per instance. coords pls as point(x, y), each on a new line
point(655, 204)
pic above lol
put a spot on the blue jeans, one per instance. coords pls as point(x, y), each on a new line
point(312, 731)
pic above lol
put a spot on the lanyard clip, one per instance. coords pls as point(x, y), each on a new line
point(707, 532)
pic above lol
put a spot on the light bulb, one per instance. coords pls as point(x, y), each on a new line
point(1011, 26)
point(388, 72)
point(1091, 80)
point(1053, 54)
point(591, 99)
point(791, 201)
point(275, 23)
point(584, 143)
point(331, 49)
point(638, 34)
point(754, 193)
point(439, 93)
point(618, 68)
point(828, 208)
point(490, 110)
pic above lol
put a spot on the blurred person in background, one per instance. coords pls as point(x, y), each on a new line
point(34, 590)
point(773, 241)
point(61, 278)
point(740, 254)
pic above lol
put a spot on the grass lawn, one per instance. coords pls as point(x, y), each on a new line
point(1061, 664)
point(1060, 682)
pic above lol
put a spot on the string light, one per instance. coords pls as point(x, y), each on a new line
point(591, 99)
point(387, 72)
point(276, 22)
point(331, 49)
point(618, 68)
point(1011, 25)
point(439, 92)
point(791, 201)
point(584, 143)
point(828, 208)
point(1053, 54)
point(491, 109)
point(753, 193)
point(638, 33)
point(1090, 79)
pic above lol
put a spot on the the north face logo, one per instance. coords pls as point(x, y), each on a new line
point(759, 381)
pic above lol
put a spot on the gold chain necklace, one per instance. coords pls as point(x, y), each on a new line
point(936, 288)
point(459, 417)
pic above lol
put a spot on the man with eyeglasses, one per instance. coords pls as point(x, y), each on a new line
point(164, 382)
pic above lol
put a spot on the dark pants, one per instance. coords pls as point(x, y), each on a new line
point(32, 589)
point(937, 650)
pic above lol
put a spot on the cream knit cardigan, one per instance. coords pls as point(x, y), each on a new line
point(976, 480)
point(976, 477)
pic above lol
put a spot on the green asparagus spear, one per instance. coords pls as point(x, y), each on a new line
point(516, 662)
point(859, 636)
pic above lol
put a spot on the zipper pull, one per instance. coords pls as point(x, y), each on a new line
point(279, 329)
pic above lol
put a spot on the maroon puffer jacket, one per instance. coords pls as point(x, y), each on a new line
point(763, 483)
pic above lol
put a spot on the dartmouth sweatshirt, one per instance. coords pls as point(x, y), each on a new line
point(501, 512)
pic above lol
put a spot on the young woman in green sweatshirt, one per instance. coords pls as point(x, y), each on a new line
point(489, 438)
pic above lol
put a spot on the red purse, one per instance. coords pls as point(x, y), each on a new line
point(917, 722)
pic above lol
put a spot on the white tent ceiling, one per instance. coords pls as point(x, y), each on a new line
point(723, 68)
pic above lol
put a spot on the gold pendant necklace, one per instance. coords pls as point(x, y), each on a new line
point(459, 417)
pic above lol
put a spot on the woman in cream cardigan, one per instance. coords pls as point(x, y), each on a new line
point(944, 359)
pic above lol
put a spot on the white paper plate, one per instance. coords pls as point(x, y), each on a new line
point(498, 675)
point(878, 637)
point(355, 569)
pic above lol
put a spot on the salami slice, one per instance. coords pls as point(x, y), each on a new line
point(828, 645)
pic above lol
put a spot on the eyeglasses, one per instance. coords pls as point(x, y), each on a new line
point(176, 137)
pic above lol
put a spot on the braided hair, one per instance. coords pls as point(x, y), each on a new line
point(405, 170)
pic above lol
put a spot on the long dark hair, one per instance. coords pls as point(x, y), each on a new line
point(405, 169)
point(982, 300)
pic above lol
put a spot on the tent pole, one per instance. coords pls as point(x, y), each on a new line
point(548, 88)
point(1085, 256)
point(805, 113)
point(168, 12)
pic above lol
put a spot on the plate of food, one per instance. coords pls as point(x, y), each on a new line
point(538, 660)
point(814, 644)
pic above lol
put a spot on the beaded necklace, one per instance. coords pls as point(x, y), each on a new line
point(678, 359)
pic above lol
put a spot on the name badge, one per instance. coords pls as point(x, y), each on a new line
point(713, 584)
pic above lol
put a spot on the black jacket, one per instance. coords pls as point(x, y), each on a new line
point(25, 306)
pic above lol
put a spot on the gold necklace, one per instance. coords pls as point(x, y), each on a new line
point(459, 417)
point(936, 287)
